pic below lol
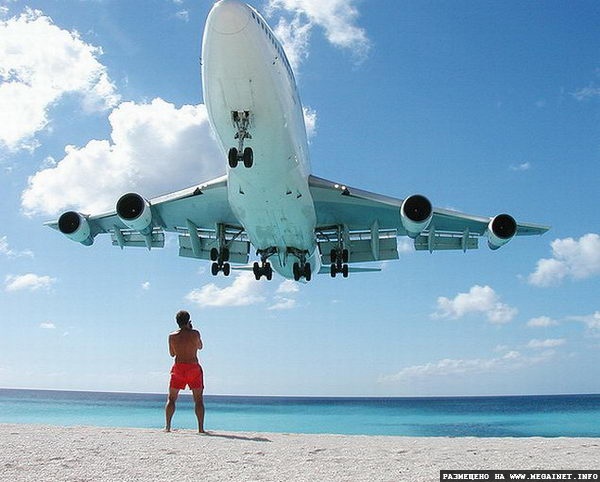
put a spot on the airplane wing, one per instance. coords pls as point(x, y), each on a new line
point(369, 224)
point(200, 214)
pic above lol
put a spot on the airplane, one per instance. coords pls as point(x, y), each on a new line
point(298, 224)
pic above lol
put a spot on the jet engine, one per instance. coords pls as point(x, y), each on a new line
point(501, 230)
point(416, 213)
point(134, 211)
point(75, 226)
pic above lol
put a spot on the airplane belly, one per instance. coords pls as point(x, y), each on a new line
point(271, 199)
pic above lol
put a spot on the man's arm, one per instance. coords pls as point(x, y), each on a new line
point(199, 340)
point(171, 347)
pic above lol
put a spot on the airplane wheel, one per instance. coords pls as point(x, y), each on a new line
point(333, 256)
point(256, 271)
point(269, 273)
point(345, 256)
point(226, 269)
point(233, 157)
point(333, 271)
point(225, 254)
point(214, 254)
point(296, 271)
point(307, 272)
point(214, 269)
point(248, 157)
point(345, 271)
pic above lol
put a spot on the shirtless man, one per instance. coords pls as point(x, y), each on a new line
point(184, 345)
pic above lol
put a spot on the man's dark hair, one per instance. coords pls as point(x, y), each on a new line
point(183, 318)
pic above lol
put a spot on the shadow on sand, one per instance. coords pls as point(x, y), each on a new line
point(238, 437)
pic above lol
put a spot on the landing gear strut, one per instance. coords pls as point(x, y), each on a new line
point(241, 121)
point(220, 256)
point(302, 268)
point(264, 268)
point(339, 262)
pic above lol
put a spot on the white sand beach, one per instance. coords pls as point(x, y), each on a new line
point(45, 453)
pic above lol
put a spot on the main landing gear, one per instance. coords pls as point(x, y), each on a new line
point(302, 268)
point(220, 258)
point(264, 268)
point(241, 121)
point(339, 259)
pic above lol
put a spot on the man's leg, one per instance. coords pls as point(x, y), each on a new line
point(170, 407)
point(199, 408)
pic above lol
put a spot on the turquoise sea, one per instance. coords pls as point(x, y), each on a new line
point(514, 416)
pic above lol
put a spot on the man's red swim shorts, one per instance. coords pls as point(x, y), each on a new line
point(190, 374)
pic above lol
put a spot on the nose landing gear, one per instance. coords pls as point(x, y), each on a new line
point(241, 121)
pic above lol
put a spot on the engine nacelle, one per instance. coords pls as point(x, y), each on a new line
point(416, 213)
point(501, 230)
point(75, 226)
point(135, 213)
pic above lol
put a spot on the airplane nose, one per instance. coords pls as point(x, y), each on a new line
point(229, 17)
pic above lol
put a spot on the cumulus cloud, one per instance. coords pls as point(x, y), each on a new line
point(336, 17)
point(592, 322)
point(48, 325)
point(310, 121)
point(479, 299)
point(571, 258)
point(294, 36)
point(39, 64)
point(29, 281)
point(7, 251)
point(512, 360)
point(282, 303)
point(154, 148)
point(287, 287)
point(541, 322)
point(548, 343)
point(244, 291)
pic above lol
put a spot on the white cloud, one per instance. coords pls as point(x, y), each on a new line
point(406, 246)
point(6, 250)
point(310, 121)
point(571, 258)
point(146, 285)
point(288, 286)
point(29, 281)
point(524, 166)
point(39, 64)
point(48, 325)
point(283, 303)
point(512, 360)
point(541, 322)
point(244, 291)
point(592, 322)
point(479, 299)
point(586, 93)
point(336, 17)
point(548, 343)
point(183, 15)
point(294, 37)
point(155, 148)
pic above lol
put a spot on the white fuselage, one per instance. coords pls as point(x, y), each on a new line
point(244, 69)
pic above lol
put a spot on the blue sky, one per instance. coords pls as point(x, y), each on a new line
point(485, 107)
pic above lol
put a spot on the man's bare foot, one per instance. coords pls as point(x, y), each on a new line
point(167, 429)
point(203, 432)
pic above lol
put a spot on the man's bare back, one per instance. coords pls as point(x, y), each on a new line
point(184, 345)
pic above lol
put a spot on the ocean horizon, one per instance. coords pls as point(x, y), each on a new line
point(481, 416)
